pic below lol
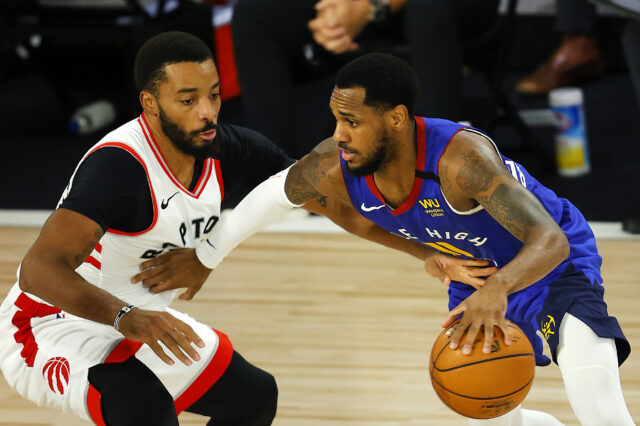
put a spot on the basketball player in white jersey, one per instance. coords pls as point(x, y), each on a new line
point(76, 335)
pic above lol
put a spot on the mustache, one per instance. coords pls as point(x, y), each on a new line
point(210, 125)
point(344, 147)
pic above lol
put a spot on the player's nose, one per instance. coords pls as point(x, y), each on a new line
point(339, 134)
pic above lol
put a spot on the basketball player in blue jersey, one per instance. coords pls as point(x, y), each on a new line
point(446, 186)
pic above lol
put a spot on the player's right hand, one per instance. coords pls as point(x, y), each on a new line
point(467, 271)
point(153, 327)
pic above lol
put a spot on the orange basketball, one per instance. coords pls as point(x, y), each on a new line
point(479, 385)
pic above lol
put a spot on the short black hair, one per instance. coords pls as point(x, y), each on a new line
point(388, 81)
point(165, 49)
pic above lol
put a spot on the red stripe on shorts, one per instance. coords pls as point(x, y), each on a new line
point(209, 375)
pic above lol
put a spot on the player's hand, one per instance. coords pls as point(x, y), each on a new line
point(153, 327)
point(467, 271)
point(484, 309)
point(179, 268)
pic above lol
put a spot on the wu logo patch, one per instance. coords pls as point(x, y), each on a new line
point(431, 206)
point(548, 327)
point(56, 372)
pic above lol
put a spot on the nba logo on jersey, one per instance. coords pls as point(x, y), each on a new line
point(56, 372)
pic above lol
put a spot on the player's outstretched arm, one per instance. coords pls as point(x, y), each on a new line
point(472, 172)
point(48, 271)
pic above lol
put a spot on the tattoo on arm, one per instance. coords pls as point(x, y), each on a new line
point(474, 175)
point(80, 257)
point(305, 176)
point(508, 207)
point(322, 200)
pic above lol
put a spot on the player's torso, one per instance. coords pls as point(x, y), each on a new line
point(182, 218)
point(427, 217)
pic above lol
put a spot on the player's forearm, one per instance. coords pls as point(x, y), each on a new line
point(542, 251)
point(264, 205)
point(49, 277)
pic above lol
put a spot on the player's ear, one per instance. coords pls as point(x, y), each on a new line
point(149, 103)
point(398, 117)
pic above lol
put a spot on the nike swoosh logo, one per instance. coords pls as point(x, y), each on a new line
point(165, 203)
point(368, 209)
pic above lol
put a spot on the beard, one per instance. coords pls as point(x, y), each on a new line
point(376, 160)
point(184, 140)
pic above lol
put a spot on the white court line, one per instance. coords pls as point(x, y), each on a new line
point(298, 221)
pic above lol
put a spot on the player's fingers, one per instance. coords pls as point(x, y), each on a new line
point(157, 349)
point(188, 332)
point(188, 294)
point(470, 337)
point(457, 334)
point(488, 338)
point(482, 272)
point(474, 282)
point(506, 330)
point(453, 314)
point(474, 262)
point(172, 342)
point(156, 261)
point(322, 5)
point(446, 280)
point(163, 286)
point(147, 277)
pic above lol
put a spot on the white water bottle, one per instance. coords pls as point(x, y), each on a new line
point(572, 148)
point(92, 117)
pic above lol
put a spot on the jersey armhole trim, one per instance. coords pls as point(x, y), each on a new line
point(477, 208)
point(218, 168)
point(153, 196)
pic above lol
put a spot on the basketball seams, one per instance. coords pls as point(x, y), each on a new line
point(483, 398)
point(444, 370)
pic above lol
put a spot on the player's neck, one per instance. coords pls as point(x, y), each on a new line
point(180, 164)
point(395, 178)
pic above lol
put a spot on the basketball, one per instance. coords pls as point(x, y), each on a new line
point(479, 385)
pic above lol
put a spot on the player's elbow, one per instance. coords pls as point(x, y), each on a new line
point(559, 245)
point(25, 273)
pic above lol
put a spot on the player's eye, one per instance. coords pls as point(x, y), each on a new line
point(187, 101)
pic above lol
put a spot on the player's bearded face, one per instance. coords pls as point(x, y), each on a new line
point(375, 159)
point(186, 141)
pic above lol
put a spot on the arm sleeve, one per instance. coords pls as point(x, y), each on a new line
point(267, 203)
point(248, 158)
point(111, 188)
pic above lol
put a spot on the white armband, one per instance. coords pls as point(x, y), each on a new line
point(263, 206)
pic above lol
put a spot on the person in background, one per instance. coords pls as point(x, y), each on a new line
point(278, 43)
point(576, 60)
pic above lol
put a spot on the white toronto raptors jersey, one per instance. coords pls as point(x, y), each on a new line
point(182, 218)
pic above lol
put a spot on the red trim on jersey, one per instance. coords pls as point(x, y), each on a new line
point(209, 375)
point(421, 132)
point(98, 248)
point(445, 148)
point(94, 406)
point(93, 261)
point(124, 350)
point(29, 309)
point(219, 177)
point(153, 195)
point(206, 170)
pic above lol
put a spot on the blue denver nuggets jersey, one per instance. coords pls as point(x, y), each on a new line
point(427, 217)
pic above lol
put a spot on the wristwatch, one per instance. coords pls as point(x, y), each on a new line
point(379, 10)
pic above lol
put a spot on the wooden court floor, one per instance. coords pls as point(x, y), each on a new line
point(346, 328)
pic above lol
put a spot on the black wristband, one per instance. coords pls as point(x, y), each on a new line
point(124, 311)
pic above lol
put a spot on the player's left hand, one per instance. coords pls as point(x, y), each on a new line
point(484, 309)
point(467, 271)
point(179, 268)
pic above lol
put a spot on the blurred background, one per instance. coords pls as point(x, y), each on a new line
point(66, 78)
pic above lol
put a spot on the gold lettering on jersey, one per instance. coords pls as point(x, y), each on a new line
point(432, 207)
point(548, 327)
